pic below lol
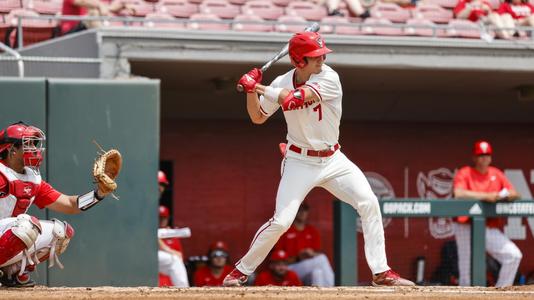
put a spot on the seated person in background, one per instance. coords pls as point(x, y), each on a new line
point(88, 8)
point(217, 268)
point(170, 257)
point(278, 273)
point(302, 243)
point(516, 13)
point(481, 11)
point(354, 6)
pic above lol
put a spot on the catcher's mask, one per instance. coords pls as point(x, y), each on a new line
point(32, 140)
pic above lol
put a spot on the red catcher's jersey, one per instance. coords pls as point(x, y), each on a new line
point(19, 191)
point(267, 278)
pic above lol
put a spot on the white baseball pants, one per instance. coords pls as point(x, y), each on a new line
point(315, 271)
point(338, 175)
point(498, 245)
point(173, 266)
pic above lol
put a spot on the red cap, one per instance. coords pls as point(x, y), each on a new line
point(219, 245)
point(306, 44)
point(162, 178)
point(279, 255)
point(482, 148)
point(164, 212)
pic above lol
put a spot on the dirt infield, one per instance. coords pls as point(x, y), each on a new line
point(524, 292)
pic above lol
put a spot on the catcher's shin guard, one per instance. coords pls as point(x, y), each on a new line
point(22, 235)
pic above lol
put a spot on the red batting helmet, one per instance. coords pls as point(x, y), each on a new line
point(278, 255)
point(162, 178)
point(482, 148)
point(164, 212)
point(31, 138)
point(306, 44)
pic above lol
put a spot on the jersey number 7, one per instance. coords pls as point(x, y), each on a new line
point(320, 110)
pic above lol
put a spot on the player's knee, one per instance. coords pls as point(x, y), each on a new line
point(27, 228)
point(62, 232)
point(369, 207)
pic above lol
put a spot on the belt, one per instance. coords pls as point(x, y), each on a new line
point(315, 153)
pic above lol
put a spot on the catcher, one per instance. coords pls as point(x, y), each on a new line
point(25, 240)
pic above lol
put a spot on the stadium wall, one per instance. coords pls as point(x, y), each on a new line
point(112, 241)
point(226, 175)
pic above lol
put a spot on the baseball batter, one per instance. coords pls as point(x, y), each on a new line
point(26, 241)
point(484, 182)
point(310, 97)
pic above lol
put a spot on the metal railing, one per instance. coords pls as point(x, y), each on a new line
point(486, 31)
point(16, 56)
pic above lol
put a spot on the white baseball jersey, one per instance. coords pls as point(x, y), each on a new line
point(315, 125)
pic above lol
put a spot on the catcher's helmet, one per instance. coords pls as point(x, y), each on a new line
point(306, 44)
point(164, 212)
point(29, 137)
point(482, 148)
point(162, 178)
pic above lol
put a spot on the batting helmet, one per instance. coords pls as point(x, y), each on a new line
point(482, 148)
point(162, 178)
point(31, 138)
point(278, 255)
point(306, 44)
point(164, 212)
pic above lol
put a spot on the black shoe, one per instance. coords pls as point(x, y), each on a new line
point(336, 12)
point(365, 15)
point(22, 281)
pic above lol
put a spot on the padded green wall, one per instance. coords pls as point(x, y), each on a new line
point(115, 242)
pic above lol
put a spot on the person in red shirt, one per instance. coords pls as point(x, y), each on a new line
point(516, 13)
point(481, 11)
point(24, 237)
point(278, 273)
point(213, 274)
point(302, 244)
point(486, 183)
point(90, 8)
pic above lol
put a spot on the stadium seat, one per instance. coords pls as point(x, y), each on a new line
point(296, 24)
point(338, 28)
point(310, 11)
point(262, 8)
point(33, 31)
point(463, 28)
point(239, 26)
point(177, 8)
point(283, 3)
point(443, 3)
point(390, 11)
point(47, 7)
point(162, 16)
point(372, 26)
point(419, 31)
point(237, 2)
point(432, 12)
point(8, 5)
point(221, 8)
point(206, 25)
point(196, 1)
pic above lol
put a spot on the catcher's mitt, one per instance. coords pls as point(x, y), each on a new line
point(106, 168)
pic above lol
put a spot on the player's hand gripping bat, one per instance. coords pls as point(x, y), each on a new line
point(312, 28)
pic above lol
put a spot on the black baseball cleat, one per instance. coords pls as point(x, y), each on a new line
point(17, 281)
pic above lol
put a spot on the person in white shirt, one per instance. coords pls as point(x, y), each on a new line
point(310, 97)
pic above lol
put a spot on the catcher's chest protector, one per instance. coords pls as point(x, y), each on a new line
point(21, 191)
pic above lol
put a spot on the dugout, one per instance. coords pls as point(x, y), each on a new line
point(412, 109)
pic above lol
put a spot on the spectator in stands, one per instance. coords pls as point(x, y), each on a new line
point(89, 8)
point(278, 273)
point(486, 183)
point(516, 13)
point(170, 255)
point(302, 244)
point(217, 268)
point(354, 6)
point(481, 11)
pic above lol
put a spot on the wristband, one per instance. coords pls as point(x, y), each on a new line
point(88, 200)
point(272, 94)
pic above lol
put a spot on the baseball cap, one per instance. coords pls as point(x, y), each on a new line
point(482, 148)
point(278, 255)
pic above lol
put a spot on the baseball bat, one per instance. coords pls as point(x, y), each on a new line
point(312, 28)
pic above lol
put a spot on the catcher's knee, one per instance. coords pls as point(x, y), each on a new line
point(62, 232)
point(27, 228)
